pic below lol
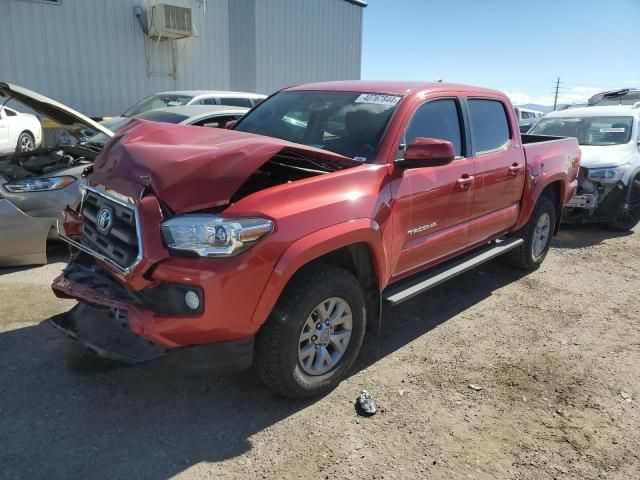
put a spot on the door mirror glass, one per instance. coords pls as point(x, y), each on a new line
point(427, 152)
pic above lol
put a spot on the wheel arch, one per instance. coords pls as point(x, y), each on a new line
point(26, 130)
point(554, 186)
point(556, 192)
point(355, 246)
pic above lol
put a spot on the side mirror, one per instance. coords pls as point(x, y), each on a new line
point(230, 124)
point(427, 152)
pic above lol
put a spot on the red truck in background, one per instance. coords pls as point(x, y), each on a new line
point(274, 243)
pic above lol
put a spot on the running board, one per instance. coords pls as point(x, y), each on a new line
point(410, 288)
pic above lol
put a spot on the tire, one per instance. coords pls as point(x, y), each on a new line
point(628, 216)
point(26, 143)
point(280, 344)
point(530, 254)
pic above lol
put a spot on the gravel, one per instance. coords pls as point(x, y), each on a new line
point(566, 338)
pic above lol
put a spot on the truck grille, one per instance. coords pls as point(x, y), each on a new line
point(110, 229)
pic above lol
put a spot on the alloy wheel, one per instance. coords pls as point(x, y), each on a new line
point(325, 336)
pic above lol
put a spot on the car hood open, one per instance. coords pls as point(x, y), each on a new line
point(191, 168)
point(56, 111)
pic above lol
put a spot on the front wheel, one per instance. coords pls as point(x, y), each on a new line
point(314, 333)
point(537, 235)
point(628, 214)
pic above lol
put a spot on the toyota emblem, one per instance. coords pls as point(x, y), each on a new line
point(104, 220)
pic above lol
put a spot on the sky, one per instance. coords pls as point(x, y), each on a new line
point(517, 46)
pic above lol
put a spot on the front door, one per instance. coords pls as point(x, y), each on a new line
point(435, 201)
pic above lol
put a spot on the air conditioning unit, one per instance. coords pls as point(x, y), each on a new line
point(170, 21)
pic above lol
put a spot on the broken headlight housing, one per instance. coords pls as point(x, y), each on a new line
point(606, 175)
point(39, 184)
point(213, 236)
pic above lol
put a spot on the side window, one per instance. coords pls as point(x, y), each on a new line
point(236, 102)
point(205, 101)
point(437, 119)
point(489, 124)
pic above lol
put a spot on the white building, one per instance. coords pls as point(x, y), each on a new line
point(96, 55)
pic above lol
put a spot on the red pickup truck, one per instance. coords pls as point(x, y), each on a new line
point(275, 243)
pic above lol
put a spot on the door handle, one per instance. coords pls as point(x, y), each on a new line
point(464, 182)
point(515, 169)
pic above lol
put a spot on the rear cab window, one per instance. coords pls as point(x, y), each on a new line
point(489, 124)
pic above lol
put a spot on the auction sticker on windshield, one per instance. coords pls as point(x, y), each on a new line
point(378, 99)
point(613, 130)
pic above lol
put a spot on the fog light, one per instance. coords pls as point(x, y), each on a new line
point(192, 300)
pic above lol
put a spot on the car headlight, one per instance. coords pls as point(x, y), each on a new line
point(606, 175)
point(213, 236)
point(39, 184)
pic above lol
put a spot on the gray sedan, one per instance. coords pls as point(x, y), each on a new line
point(37, 186)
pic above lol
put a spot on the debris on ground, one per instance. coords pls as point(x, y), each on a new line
point(475, 387)
point(365, 404)
point(626, 396)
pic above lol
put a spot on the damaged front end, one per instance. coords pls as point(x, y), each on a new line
point(158, 195)
point(601, 196)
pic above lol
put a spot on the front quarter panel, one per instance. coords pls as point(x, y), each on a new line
point(316, 216)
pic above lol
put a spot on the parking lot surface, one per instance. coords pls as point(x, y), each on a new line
point(554, 356)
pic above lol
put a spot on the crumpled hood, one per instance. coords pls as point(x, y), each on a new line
point(607, 156)
point(189, 168)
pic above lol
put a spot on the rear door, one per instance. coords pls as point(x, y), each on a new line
point(500, 168)
point(438, 199)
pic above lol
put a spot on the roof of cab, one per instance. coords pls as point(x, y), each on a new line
point(392, 87)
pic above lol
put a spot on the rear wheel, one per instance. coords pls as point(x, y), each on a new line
point(537, 235)
point(629, 213)
point(314, 333)
point(26, 143)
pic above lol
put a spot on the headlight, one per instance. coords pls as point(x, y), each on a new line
point(39, 184)
point(212, 236)
point(606, 175)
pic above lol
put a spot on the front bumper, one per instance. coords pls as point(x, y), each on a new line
point(105, 331)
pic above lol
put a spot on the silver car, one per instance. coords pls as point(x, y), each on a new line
point(37, 186)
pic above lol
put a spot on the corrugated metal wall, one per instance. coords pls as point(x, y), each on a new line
point(306, 40)
point(92, 55)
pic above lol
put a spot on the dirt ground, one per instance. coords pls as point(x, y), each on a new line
point(556, 353)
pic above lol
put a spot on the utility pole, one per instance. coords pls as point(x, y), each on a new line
point(555, 100)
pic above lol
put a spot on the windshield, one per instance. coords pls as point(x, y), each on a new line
point(588, 130)
point(158, 100)
point(348, 123)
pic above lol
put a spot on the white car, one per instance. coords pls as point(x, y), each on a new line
point(195, 97)
point(609, 179)
point(19, 132)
